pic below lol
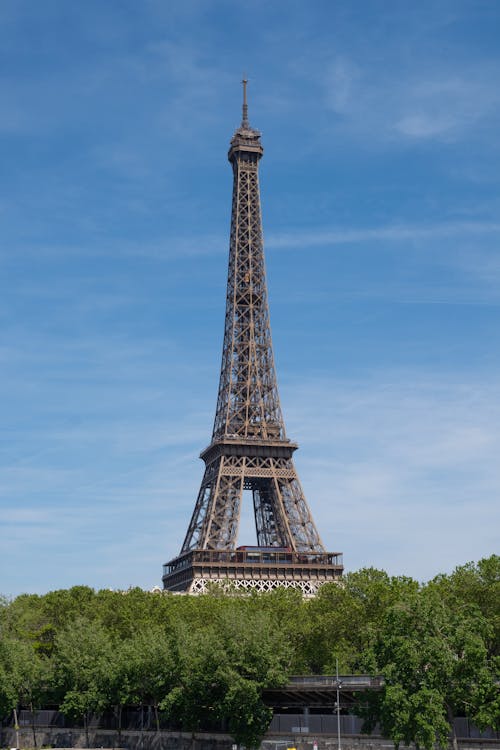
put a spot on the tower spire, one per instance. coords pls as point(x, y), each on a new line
point(244, 121)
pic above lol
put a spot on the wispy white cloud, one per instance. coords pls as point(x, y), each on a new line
point(23, 516)
point(343, 79)
point(447, 105)
point(164, 249)
point(401, 470)
point(423, 103)
point(172, 247)
point(321, 236)
point(450, 261)
point(483, 263)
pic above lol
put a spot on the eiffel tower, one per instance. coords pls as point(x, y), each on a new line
point(249, 449)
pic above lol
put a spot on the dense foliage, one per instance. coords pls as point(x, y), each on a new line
point(199, 659)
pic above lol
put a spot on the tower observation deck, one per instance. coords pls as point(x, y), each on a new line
point(249, 449)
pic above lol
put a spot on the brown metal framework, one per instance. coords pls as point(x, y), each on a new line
point(249, 449)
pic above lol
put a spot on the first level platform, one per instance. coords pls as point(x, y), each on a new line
point(254, 568)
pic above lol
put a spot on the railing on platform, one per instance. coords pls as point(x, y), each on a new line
point(254, 556)
point(346, 681)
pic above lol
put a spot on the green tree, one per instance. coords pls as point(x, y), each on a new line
point(124, 613)
point(84, 669)
point(8, 693)
point(146, 669)
point(344, 620)
point(475, 584)
point(436, 666)
point(224, 667)
point(25, 677)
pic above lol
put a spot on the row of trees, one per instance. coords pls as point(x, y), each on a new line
point(200, 660)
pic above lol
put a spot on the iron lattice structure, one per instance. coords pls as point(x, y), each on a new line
point(249, 449)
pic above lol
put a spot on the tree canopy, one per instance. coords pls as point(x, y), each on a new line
point(200, 661)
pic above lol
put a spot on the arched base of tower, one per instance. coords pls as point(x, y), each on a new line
point(260, 585)
point(252, 569)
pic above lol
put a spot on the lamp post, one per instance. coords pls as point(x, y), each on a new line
point(339, 685)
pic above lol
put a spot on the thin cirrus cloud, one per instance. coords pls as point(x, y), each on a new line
point(424, 104)
point(323, 236)
point(465, 251)
point(404, 454)
point(169, 248)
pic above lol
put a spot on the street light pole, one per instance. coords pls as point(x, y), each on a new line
point(338, 702)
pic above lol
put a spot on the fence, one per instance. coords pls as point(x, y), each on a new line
point(143, 720)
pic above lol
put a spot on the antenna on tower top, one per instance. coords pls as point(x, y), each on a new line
point(244, 121)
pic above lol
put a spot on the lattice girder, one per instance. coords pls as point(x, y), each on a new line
point(249, 448)
point(248, 402)
point(248, 585)
point(282, 516)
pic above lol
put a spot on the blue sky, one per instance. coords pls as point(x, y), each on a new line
point(381, 194)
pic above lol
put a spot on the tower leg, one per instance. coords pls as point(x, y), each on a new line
point(215, 520)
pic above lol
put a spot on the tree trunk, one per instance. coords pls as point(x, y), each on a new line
point(33, 726)
point(119, 712)
point(157, 717)
point(86, 726)
point(16, 727)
